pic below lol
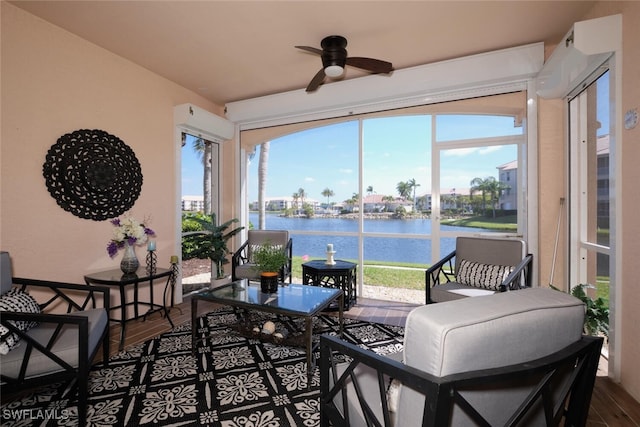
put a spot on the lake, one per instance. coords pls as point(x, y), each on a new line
point(398, 249)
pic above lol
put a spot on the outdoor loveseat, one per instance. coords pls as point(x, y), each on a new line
point(38, 347)
point(513, 358)
point(479, 266)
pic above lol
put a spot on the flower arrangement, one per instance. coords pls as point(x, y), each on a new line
point(128, 230)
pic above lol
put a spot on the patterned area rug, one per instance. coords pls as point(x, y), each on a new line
point(231, 380)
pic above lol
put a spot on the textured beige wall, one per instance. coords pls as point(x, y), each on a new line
point(630, 200)
point(53, 83)
point(551, 184)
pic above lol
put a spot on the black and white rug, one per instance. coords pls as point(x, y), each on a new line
point(231, 380)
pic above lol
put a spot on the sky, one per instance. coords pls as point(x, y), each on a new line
point(395, 149)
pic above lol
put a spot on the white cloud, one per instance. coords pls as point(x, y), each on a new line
point(345, 170)
point(462, 152)
point(489, 150)
point(309, 179)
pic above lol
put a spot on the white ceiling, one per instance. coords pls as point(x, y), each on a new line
point(233, 50)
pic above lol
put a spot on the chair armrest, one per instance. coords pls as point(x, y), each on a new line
point(438, 270)
point(288, 267)
point(332, 386)
point(59, 294)
point(578, 361)
point(520, 277)
point(239, 257)
point(60, 320)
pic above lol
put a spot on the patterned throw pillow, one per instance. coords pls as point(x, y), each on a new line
point(17, 301)
point(485, 276)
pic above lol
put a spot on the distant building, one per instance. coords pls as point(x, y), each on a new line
point(283, 203)
point(450, 198)
point(193, 203)
point(508, 175)
point(379, 203)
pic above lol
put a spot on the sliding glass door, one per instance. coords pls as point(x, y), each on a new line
point(592, 190)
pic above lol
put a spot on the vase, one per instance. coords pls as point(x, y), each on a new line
point(129, 263)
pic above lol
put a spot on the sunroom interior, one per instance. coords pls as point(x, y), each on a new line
point(55, 81)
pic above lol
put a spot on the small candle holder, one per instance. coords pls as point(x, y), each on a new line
point(330, 260)
point(152, 261)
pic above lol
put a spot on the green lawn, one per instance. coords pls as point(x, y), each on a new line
point(501, 223)
point(391, 274)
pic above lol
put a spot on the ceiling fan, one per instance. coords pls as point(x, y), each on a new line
point(334, 58)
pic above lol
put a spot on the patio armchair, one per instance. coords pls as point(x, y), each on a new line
point(479, 266)
point(514, 358)
point(54, 340)
point(242, 266)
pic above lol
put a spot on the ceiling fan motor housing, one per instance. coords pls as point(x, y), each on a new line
point(334, 51)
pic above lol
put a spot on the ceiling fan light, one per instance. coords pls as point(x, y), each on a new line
point(334, 71)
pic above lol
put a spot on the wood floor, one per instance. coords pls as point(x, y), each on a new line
point(610, 405)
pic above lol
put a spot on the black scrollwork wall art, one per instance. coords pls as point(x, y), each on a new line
point(92, 174)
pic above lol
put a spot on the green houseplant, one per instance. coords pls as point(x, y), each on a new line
point(596, 319)
point(268, 259)
point(210, 240)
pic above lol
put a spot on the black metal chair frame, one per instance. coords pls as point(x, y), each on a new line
point(60, 298)
point(444, 272)
point(241, 256)
point(570, 407)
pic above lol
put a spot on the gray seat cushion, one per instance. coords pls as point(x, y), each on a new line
point(452, 291)
point(482, 333)
point(66, 345)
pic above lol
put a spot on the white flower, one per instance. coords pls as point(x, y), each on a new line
point(128, 230)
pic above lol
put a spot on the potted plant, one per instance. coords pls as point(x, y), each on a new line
point(269, 259)
point(211, 242)
point(596, 318)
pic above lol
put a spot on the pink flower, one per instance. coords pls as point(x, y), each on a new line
point(305, 257)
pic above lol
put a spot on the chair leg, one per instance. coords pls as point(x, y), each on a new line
point(82, 399)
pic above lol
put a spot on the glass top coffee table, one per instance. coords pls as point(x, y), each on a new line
point(302, 301)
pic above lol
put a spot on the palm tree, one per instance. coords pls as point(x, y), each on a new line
point(302, 194)
point(495, 189)
point(404, 189)
point(387, 200)
point(295, 196)
point(327, 192)
point(370, 190)
point(412, 183)
point(491, 186)
point(262, 184)
point(481, 185)
point(353, 201)
point(203, 150)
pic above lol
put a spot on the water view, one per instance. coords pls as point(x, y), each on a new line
point(394, 249)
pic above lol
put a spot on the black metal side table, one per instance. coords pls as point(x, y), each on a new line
point(341, 275)
point(115, 277)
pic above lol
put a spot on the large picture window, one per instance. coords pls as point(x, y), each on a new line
point(391, 191)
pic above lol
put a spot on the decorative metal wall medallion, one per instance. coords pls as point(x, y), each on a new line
point(92, 174)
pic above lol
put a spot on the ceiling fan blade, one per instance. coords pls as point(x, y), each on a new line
point(310, 49)
point(374, 65)
point(316, 81)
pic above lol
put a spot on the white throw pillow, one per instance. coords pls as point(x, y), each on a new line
point(16, 301)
